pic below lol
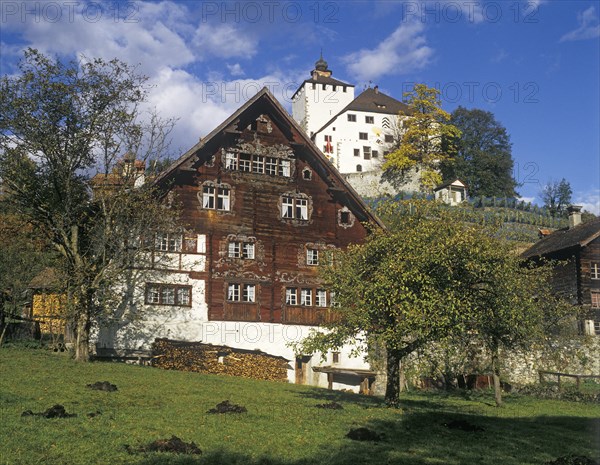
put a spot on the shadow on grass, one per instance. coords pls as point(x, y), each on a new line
point(419, 438)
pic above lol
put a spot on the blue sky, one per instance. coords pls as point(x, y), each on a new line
point(534, 64)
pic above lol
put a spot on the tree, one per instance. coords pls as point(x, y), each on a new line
point(428, 278)
point(427, 138)
point(484, 159)
point(556, 196)
point(65, 130)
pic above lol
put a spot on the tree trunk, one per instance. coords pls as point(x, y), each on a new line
point(392, 389)
point(496, 376)
point(83, 327)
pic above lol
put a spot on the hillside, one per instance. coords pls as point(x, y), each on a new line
point(282, 425)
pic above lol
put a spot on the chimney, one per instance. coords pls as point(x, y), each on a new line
point(376, 89)
point(574, 215)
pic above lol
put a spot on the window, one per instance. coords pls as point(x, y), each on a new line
point(243, 250)
point(327, 148)
point(597, 327)
point(321, 298)
point(351, 118)
point(358, 168)
point(306, 297)
point(595, 270)
point(357, 152)
point(367, 152)
point(375, 154)
point(363, 136)
point(324, 86)
point(369, 119)
point(294, 207)
point(223, 198)
point(389, 138)
point(241, 292)
point(312, 257)
point(168, 242)
point(306, 174)
point(345, 218)
point(595, 299)
point(257, 164)
point(233, 292)
point(216, 196)
point(334, 87)
point(231, 162)
point(169, 294)
point(208, 196)
point(335, 357)
point(291, 296)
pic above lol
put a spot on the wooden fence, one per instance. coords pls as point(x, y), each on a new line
point(566, 375)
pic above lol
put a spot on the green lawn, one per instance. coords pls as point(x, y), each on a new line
point(282, 425)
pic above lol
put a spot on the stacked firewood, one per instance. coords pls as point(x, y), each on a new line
point(208, 358)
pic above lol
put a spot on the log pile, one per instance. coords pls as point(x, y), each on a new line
point(216, 359)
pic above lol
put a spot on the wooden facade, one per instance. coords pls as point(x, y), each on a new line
point(270, 206)
point(577, 271)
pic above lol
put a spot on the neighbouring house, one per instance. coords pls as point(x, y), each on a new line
point(577, 273)
point(260, 208)
point(451, 192)
point(48, 304)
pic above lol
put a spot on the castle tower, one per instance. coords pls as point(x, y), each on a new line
point(320, 98)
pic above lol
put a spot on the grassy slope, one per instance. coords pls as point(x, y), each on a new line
point(282, 425)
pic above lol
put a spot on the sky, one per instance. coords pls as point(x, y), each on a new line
point(534, 64)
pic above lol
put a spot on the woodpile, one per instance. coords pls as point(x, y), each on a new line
point(215, 359)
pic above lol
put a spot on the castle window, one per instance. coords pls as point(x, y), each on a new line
point(367, 152)
point(357, 152)
point(351, 118)
point(375, 154)
point(334, 87)
point(358, 168)
point(363, 136)
point(324, 86)
point(335, 357)
point(369, 119)
point(389, 138)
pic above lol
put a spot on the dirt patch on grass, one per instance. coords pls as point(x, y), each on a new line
point(173, 445)
point(56, 411)
point(463, 425)
point(228, 407)
point(103, 386)
point(364, 434)
point(330, 406)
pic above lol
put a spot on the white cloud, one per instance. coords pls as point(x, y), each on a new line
point(527, 199)
point(589, 28)
point(589, 200)
point(224, 40)
point(235, 70)
point(405, 50)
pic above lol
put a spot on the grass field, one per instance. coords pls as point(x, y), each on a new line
point(282, 425)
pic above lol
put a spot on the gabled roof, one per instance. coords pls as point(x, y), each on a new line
point(266, 102)
point(371, 101)
point(565, 238)
point(450, 183)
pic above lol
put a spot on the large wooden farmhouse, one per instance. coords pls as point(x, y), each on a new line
point(260, 207)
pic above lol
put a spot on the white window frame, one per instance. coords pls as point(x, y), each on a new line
point(234, 249)
point(248, 250)
point(312, 257)
point(351, 117)
point(306, 297)
point(594, 270)
point(249, 293)
point(321, 298)
point(291, 296)
point(363, 136)
point(231, 161)
point(233, 292)
point(595, 299)
point(208, 196)
point(168, 294)
point(223, 198)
